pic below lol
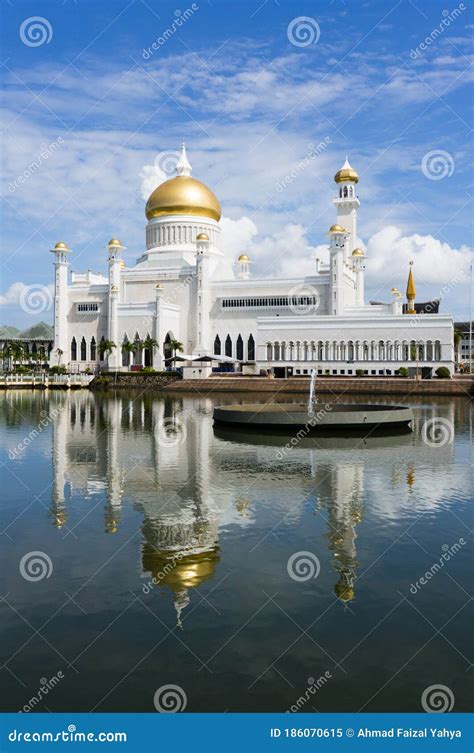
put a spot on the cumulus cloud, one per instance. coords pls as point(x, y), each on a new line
point(237, 235)
point(151, 177)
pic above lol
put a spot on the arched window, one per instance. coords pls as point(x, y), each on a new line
point(93, 349)
point(251, 348)
point(83, 349)
point(228, 346)
point(240, 348)
point(101, 349)
point(345, 192)
point(73, 349)
point(217, 346)
point(125, 351)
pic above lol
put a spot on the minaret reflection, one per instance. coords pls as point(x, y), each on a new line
point(345, 510)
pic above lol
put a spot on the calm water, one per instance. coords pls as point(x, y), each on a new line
point(114, 492)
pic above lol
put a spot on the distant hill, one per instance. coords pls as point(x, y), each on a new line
point(41, 331)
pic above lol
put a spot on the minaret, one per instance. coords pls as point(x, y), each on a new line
point(411, 292)
point(203, 298)
point(183, 166)
point(61, 350)
point(347, 204)
point(114, 248)
point(243, 267)
point(358, 260)
point(337, 253)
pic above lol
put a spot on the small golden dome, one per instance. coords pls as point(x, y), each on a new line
point(114, 242)
point(346, 173)
point(159, 286)
point(183, 195)
point(114, 289)
point(202, 237)
point(358, 252)
point(122, 265)
point(61, 245)
point(337, 229)
point(243, 257)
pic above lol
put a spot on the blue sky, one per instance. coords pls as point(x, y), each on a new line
point(92, 116)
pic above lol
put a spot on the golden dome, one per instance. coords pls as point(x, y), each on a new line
point(337, 229)
point(114, 242)
point(202, 237)
point(183, 195)
point(187, 571)
point(61, 245)
point(122, 265)
point(243, 257)
point(346, 173)
point(358, 252)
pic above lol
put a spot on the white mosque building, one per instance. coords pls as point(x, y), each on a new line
point(184, 288)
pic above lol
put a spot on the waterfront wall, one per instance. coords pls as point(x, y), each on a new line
point(327, 385)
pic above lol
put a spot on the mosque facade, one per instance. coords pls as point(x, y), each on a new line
point(183, 288)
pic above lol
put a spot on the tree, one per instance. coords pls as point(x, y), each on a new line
point(176, 347)
point(128, 347)
point(18, 352)
point(8, 355)
point(59, 354)
point(106, 347)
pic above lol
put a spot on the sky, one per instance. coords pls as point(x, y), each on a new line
point(269, 97)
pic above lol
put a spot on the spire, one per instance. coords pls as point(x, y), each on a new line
point(183, 167)
point(411, 290)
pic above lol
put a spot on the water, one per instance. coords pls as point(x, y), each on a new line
point(312, 393)
point(114, 492)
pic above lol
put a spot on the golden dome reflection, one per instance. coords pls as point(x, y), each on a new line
point(183, 195)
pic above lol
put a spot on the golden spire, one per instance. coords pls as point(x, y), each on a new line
point(411, 292)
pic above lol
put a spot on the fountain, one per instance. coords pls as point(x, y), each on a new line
point(329, 416)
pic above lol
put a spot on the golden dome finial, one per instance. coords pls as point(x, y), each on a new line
point(411, 292)
point(346, 173)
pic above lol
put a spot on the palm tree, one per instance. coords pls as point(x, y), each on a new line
point(59, 354)
point(106, 347)
point(18, 352)
point(8, 355)
point(128, 347)
point(176, 347)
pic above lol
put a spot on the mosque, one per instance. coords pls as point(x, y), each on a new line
point(184, 288)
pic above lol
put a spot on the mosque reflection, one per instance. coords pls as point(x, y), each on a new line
point(164, 457)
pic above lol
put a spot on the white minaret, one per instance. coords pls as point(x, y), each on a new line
point(358, 261)
point(338, 236)
point(243, 267)
point(347, 204)
point(114, 248)
point(61, 351)
point(203, 297)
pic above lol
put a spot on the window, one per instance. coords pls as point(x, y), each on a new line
point(83, 349)
point(217, 346)
point(251, 349)
point(240, 348)
point(87, 307)
point(73, 349)
point(228, 346)
point(93, 349)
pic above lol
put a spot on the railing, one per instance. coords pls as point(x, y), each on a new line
point(46, 380)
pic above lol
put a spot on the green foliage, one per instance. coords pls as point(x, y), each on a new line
point(147, 370)
point(443, 373)
point(359, 372)
point(402, 371)
point(58, 370)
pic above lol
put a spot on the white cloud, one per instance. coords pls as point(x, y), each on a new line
point(12, 295)
point(237, 235)
point(151, 177)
